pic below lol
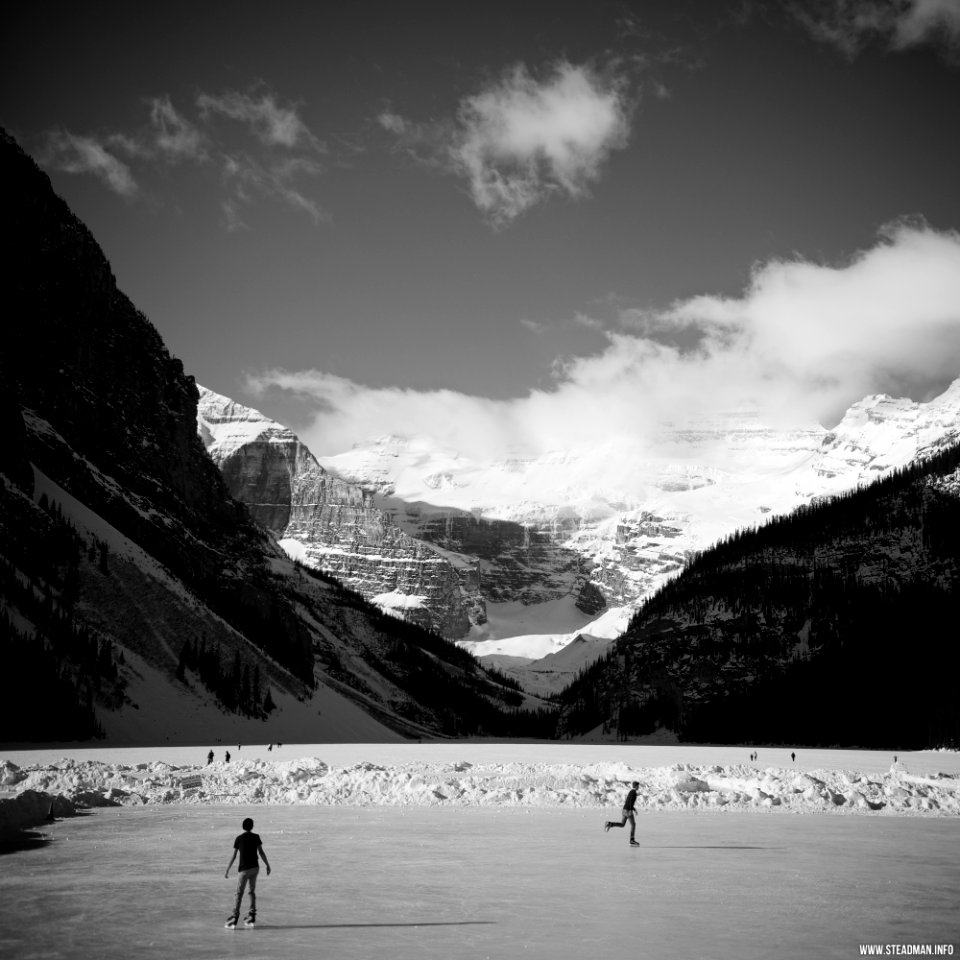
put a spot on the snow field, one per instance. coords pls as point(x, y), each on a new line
point(480, 883)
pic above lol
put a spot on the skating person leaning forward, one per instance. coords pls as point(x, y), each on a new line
point(628, 813)
point(249, 847)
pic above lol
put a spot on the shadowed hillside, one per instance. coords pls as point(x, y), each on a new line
point(834, 625)
point(136, 590)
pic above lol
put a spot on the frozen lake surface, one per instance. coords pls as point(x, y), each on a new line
point(512, 861)
point(452, 882)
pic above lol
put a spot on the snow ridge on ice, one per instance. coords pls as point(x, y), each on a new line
point(310, 780)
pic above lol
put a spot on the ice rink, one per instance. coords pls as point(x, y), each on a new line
point(468, 882)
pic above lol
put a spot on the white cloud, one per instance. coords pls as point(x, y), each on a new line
point(175, 136)
point(251, 168)
point(249, 178)
point(827, 335)
point(802, 342)
point(521, 140)
point(274, 125)
point(232, 219)
point(586, 321)
point(926, 20)
point(850, 25)
point(393, 122)
point(76, 154)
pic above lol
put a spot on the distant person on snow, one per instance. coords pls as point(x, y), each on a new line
point(210, 757)
point(227, 756)
point(628, 813)
point(249, 847)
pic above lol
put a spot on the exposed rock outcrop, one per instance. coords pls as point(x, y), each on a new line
point(332, 525)
point(591, 601)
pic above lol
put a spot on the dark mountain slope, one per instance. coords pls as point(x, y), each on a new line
point(128, 571)
point(834, 625)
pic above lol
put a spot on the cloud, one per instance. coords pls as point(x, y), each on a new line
point(928, 20)
point(274, 125)
point(76, 154)
point(534, 326)
point(851, 25)
point(586, 321)
point(248, 178)
point(272, 164)
point(175, 136)
point(801, 343)
point(393, 123)
point(522, 139)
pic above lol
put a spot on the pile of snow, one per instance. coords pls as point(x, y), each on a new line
point(29, 808)
point(681, 786)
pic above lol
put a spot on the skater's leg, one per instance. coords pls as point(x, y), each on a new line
point(253, 891)
point(633, 826)
point(241, 885)
point(623, 820)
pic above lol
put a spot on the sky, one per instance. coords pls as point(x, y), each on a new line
point(515, 226)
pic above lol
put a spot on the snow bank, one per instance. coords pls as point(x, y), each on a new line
point(30, 808)
point(310, 780)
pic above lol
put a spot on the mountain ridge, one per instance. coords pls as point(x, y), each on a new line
point(604, 546)
point(133, 583)
point(810, 629)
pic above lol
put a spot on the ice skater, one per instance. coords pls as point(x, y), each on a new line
point(249, 846)
point(628, 813)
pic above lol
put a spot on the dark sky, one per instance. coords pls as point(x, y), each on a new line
point(365, 203)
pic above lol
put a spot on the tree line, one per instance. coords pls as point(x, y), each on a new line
point(827, 626)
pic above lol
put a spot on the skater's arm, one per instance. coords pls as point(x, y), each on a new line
point(230, 864)
point(263, 857)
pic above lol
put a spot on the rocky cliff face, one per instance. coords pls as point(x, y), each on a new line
point(332, 525)
point(135, 591)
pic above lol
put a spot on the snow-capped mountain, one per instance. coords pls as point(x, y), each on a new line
point(522, 557)
point(619, 520)
point(881, 433)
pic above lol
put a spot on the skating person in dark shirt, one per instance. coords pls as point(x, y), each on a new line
point(628, 813)
point(249, 847)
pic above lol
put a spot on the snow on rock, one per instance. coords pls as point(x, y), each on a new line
point(310, 780)
point(10, 773)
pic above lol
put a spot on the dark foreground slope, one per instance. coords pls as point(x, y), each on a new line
point(836, 625)
point(135, 590)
